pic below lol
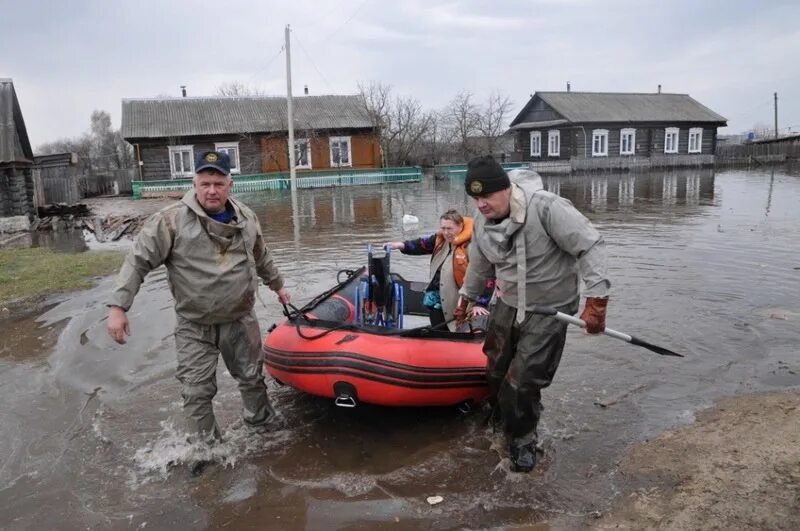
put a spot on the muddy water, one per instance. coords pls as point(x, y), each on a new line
point(704, 264)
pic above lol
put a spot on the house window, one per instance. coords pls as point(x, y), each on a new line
point(340, 151)
point(554, 143)
point(302, 153)
point(181, 161)
point(600, 143)
point(671, 140)
point(696, 140)
point(232, 150)
point(536, 143)
point(627, 142)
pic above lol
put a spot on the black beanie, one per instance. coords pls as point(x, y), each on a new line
point(485, 176)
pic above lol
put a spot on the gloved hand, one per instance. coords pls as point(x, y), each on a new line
point(594, 314)
point(460, 313)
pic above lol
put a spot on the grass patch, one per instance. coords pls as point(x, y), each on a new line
point(30, 273)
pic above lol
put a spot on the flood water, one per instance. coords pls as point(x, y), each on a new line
point(705, 264)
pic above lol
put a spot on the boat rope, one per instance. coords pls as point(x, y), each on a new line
point(295, 313)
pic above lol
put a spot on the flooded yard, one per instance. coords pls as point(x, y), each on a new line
point(704, 263)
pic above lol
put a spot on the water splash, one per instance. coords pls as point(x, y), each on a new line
point(172, 449)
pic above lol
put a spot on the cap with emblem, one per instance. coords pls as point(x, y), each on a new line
point(485, 176)
point(215, 160)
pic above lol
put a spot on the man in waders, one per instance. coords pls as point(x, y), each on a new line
point(214, 253)
point(538, 246)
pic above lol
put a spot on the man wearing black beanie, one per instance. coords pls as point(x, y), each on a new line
point(539, 247)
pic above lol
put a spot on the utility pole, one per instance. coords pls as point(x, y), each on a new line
point(292, 171)
point(776, 115)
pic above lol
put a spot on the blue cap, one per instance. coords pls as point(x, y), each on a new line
point(215, 160)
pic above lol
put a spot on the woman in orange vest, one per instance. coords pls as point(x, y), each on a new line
point(449, 262)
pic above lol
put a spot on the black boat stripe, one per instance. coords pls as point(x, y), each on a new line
point(389, 373)
point(374, 378)
point(371, 359)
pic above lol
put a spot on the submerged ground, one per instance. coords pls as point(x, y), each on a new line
point(703, 263)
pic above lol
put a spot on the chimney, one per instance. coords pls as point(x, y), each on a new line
point(305, 89)
point(183, 90)
point(567, 86)
point(659, 88)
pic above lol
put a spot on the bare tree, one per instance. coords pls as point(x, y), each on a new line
point(108, 149)
point(377, 100)
point(401, 122)
point(492, 119)
point(762, 130)
point(409, 134)
point(238, 88)
point(408, 123)
point(101, 149)
point(462, 118)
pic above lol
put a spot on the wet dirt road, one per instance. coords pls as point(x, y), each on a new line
point(706, 264)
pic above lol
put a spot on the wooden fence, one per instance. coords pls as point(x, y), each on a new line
point(117, 182)
point(758, 152)
point(58, 179)
point(55, 179)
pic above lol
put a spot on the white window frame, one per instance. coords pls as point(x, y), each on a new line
point(307, 142)
point(631, 145)
point(603, 135)
point(536, 135)
point(236, 167)
point(554, 135)
point(672, 131)
point(696, 134)
point(347, 139)
point(174, 173)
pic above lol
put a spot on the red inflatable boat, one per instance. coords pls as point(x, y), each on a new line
point(349, 344)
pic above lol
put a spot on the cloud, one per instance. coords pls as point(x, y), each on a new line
point(72, 58)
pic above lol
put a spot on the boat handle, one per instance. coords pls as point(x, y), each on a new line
point(345, 401)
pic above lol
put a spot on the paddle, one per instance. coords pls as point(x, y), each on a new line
point(547, 310)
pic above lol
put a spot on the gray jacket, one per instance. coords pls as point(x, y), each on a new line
point(212, 268)
point(538, 252)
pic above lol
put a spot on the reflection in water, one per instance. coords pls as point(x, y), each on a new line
point(328, 217)
point(699, 262)
point(769, 193)
point(611, 192)
point(627, 190)
point(599, 196)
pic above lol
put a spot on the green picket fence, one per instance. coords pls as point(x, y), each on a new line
point(281, 180)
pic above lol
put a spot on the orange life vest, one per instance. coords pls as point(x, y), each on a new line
point(459, 246)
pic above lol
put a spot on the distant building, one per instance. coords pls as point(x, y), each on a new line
point(16, 163)
point(501, 148)
point(330, 132)
point(590, 130)
point(786, 139)
point(731, 140)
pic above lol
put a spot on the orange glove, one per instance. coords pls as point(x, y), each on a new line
point(460, 313)
point(594, 314)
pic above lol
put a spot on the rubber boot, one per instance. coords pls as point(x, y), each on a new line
point(523, 457)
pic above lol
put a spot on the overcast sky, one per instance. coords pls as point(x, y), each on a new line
point(69, 58)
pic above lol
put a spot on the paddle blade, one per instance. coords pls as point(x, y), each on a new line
point(655, 348)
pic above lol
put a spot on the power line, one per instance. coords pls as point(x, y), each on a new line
point(750, 110)
point(268, 63)
point(347, 21)
point(308, 56)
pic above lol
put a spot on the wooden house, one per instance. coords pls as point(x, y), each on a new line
point(330, 132)
point(586, 130)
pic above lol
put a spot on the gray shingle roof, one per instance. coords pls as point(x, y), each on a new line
point(156, 118)
point(14, 143)
point(544, 123)
point(584, 107)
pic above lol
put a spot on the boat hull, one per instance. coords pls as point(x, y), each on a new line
point(364, 367)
